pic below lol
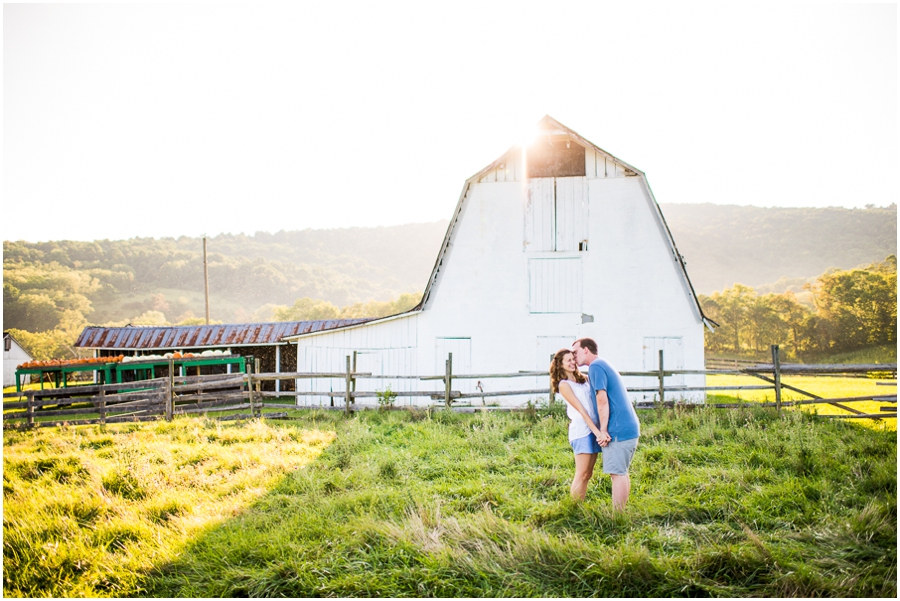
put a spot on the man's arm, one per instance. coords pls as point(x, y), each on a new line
point(603, 414)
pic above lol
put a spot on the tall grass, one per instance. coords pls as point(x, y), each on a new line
point(416, 503)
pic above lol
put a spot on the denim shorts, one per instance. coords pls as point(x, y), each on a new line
point(586, 445)
point(617, 456)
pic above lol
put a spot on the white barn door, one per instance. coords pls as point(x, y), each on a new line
point(673, 359)
point(462, 360)
point(547, 346)
point(571, 213)
point(556, 214)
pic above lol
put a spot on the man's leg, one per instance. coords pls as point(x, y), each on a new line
point(584, 469)
point(621, 488)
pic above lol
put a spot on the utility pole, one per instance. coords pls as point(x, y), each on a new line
point(206, 279)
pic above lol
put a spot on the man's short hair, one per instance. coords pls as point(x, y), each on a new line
point(587, 343)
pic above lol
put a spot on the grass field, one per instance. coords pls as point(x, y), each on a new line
point(724, 503)
point(823, 386)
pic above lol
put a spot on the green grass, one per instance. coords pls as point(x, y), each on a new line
point(724, 503)
point(823, 386)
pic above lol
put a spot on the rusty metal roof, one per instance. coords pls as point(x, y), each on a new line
point(179, 337)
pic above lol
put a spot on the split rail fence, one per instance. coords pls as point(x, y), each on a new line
point(164, 398)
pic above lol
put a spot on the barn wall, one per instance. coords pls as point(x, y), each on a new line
point(387, 348)
point(11, 360)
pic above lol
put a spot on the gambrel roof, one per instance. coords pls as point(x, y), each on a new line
point(551, 127)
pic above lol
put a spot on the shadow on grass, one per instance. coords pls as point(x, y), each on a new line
point(477, 506)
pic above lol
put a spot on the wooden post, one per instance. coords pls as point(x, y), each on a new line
point(170, 391)
point(354, 371)
point(552, 394)
point(448, 378)
point(102, 405)
point(662, 375)
point(29, 395)
point(776, 366)
point(250, 392)
point(257, 390)
point(348, 383)
point(277, 367)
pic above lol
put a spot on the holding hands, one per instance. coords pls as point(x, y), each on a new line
point(603, 438)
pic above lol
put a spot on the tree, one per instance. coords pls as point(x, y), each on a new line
point(860, 304)
point(306, 309)
point(733, 312)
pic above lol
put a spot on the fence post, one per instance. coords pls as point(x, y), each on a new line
point(102, 405)
point(776, 366)
point(29, 395)
point(250, 392)
point(258, 397)
point(552, 398)
point(170, 391)
point(348, 382)
point(448, 377)
point(662, 375)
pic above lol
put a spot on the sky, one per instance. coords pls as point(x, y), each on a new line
point(123, 120)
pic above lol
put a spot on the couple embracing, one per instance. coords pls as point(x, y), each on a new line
point(603, 418)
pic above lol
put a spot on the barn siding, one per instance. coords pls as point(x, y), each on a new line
point(11, 360)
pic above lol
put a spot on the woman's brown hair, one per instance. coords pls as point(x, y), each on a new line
point(558, 374)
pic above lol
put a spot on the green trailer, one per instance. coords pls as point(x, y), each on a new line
point(59, 373)
point(131, 371)
point(147, 370)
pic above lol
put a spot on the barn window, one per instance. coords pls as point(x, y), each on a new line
point(555, 156)
point(554, 285)
point(556, 214)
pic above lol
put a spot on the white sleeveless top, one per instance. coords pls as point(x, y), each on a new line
point(578, 428)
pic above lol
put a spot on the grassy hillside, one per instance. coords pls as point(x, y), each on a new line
point(755, 246)
point(118, 280)
point(724, 503)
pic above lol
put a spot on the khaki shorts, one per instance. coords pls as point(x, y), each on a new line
point(617, 456)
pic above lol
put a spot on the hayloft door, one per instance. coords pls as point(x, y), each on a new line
point(556, 214)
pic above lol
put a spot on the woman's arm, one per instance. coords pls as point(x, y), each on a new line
point(569, 394)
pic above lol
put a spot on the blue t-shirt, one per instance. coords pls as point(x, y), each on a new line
point(623, 421)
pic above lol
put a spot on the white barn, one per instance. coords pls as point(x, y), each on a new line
point(14, 355)
point(549, 243)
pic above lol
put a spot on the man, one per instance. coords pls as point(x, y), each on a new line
point(619, 426)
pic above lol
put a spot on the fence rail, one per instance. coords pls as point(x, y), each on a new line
point(164, 398)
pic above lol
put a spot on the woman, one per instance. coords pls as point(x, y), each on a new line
point(565, 379)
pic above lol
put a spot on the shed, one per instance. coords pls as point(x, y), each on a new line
point(14, 354)
point(553, 241)
point(263, 341)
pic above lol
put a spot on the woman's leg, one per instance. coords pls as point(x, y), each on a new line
point(584, 469)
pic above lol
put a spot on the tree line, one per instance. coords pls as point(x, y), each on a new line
point(840, 311)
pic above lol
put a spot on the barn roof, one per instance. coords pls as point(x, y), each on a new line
point(178, 337)
point(19, 344)
point(549, 125)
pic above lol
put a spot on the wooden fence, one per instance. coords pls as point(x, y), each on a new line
point(164, 398)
